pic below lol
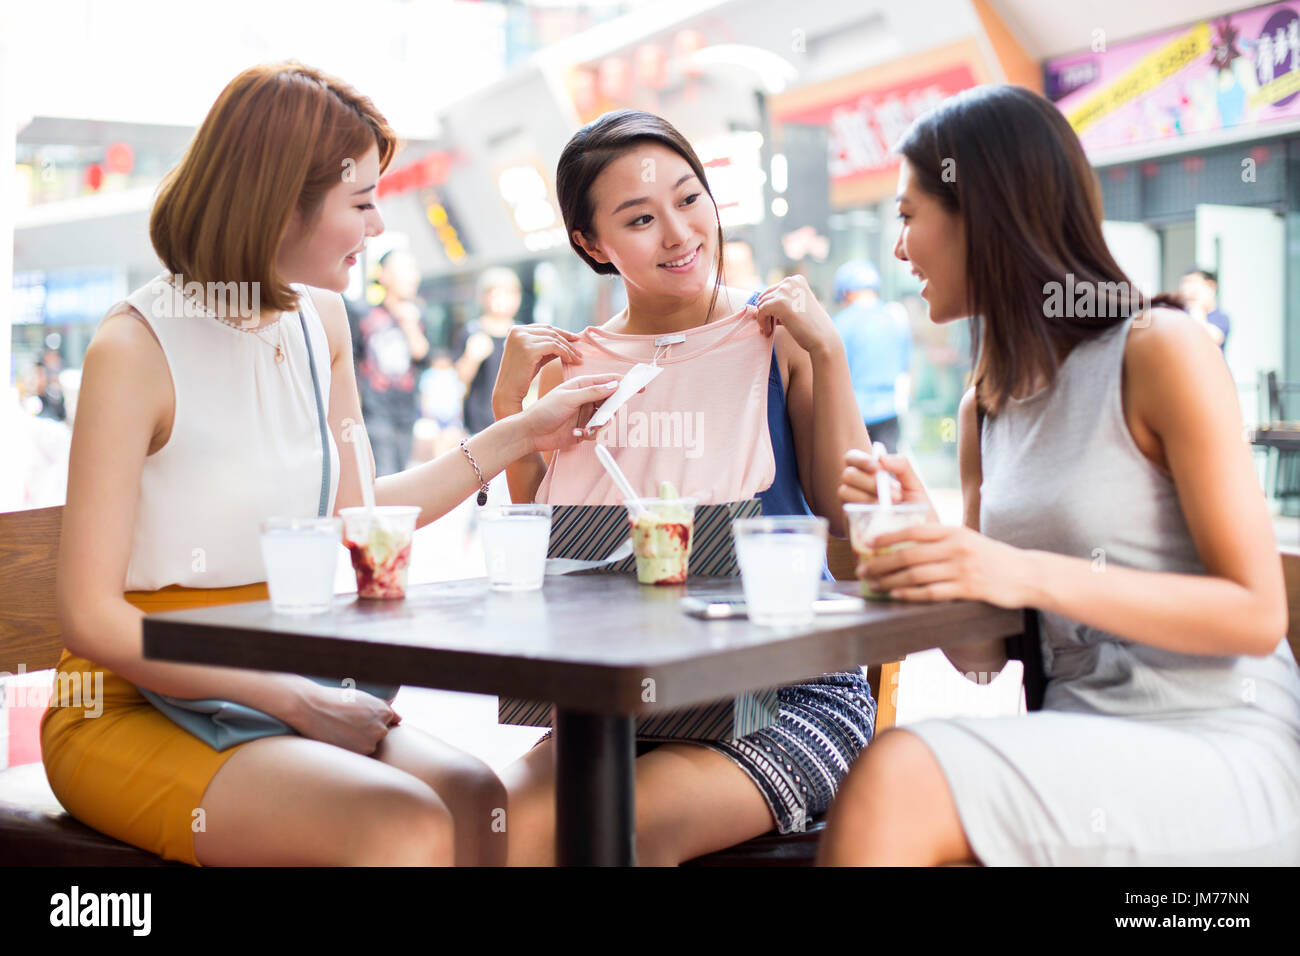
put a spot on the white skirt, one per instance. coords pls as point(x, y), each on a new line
point(1080, 789)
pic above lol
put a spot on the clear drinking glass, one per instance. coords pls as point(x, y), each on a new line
point(781, 561)
point(515, 538)
point(663, 530)
point(300, 555)
point(379, 541)
point(868, 520)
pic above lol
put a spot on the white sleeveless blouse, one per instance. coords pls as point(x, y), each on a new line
point(245, 443)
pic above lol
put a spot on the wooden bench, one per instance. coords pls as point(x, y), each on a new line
point(34, 829)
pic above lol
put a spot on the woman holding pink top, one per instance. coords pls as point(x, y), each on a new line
point(753, 400)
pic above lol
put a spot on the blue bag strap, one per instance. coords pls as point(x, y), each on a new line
point(320, 417)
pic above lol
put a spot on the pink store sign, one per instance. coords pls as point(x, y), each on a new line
point(1241, 70)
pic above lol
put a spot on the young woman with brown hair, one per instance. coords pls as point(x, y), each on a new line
point(199, 418)
point(1105, 484)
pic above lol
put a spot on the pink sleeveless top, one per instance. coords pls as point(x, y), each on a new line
point(701, 424)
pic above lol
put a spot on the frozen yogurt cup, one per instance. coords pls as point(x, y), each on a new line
point(662, 531)
point(379, 542)
point(866, 521)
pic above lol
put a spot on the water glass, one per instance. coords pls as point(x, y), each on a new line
point(300, 555)
point(781, 561)
point(515, 538)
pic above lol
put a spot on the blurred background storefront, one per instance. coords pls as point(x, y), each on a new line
point(1189, 111)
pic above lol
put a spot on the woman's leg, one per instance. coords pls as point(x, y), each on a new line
point(472, 792)
point(288, 800)
point(689, 801)
point(894, 809)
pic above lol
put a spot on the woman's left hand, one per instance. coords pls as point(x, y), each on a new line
point(948, 563)
point(792, 304)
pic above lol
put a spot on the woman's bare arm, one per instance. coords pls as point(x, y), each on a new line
point(826, 423)
point(125, 407)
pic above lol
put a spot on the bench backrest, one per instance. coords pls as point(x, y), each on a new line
point(29, 619)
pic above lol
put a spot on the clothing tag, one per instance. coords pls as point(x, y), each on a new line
point(677, 339)
point(637, 378)
point(569, 565)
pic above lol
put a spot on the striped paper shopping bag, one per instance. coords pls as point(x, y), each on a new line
point(592, 533)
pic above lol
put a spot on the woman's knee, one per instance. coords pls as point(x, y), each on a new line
point(402, 825)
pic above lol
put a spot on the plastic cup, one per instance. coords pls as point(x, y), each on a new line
point(515, 538)
point(868, 520)
point(299, 555)
point(380, 544)
point(663, 530)
point(781, 561)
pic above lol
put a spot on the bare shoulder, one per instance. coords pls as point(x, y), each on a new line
point(334, 317)
point(552, 374)
point(126, 344)
point(1166, 353)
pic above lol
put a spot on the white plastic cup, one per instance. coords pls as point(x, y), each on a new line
point(781, 561)
point(300, 555)
point(515, 538)
point(379, 542)
point(866, 521)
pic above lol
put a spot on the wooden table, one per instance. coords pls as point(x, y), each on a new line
point(585, 642)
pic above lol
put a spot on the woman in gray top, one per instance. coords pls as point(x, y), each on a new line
point(1106, 483)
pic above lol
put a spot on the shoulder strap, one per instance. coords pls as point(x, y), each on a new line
point(320, 416)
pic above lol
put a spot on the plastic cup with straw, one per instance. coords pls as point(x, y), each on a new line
point(662, 528)
point(866, 521)
point(378, 537)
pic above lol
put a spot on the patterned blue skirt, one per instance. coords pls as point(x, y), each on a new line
point(797, 762)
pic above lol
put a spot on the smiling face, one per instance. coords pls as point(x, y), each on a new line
point(933, 241)
point(320, 253)
point(653, 220)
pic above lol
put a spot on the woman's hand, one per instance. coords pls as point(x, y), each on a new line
point(345, 717)
point(528, 348)
point(792, 304)
point(554, 419)
point(858, 481)
point(947, 563)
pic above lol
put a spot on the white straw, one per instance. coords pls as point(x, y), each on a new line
point(620, 479)
point(363, 467)
point(883, 494)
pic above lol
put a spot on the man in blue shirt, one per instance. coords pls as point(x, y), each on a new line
point(1200, 290)
point(879, 347)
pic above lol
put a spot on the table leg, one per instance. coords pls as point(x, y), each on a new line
point(595, 789)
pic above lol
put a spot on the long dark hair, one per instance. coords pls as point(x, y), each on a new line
point(1005, 160)
point(598, 144)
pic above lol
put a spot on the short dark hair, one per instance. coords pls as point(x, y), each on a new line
point(1205, 274)
point(598, 144)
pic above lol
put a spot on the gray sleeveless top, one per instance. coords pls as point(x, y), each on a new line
point(1062, 473)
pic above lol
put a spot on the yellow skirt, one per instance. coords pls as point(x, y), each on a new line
point(115, 762)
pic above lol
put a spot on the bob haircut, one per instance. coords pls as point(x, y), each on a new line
point(598, 144)
point(278, 138)
point(1005, 160)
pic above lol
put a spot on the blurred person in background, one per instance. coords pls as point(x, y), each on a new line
point(52, 400)
point(738, 265)
point(1199, 291)
point(482, 342)
point(442, 397)
point(878, 342)
point(390, 348)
